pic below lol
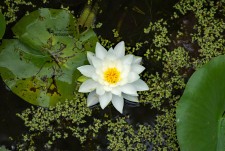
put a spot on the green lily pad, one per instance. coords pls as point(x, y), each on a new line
point(200, 111)
point(41, 65)
point(2, 25)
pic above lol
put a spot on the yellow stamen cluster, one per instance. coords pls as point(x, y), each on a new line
point(112, 75)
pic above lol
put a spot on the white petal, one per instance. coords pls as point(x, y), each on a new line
point(100, 51)
point(116, 91)
point(97, 63)
point(106, 87)
point(111, 50)
point(118, 64)
point(88, 86)
point(137, 68)
point(130, 97)
point(127, 59)
point(90, 55)
point(95, 77)
point(140, 85)
point(105, 99)
point(137, 60)
point(119, 49)
point(100, 90)
point(87, 70)
point(129, 89)
point(133, 77)
point(110, 56)
point(118, 103)
point(125, 71)
point(92, 98)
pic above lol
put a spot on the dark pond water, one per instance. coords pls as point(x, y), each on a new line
point(129, 17)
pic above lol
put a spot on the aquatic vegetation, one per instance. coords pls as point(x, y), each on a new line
point(172, 48)
point(41, 68)
point(58, 122)
point(200, 111)
point(114, 77)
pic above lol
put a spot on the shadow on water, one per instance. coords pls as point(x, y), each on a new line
point(11, 125)
point(130, 17)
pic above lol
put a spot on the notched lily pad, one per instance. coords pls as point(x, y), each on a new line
point(41, 66)
point(200, 112)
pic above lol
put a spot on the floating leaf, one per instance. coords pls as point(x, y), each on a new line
point(2, 25)
point(200, 112)
point(41, 66)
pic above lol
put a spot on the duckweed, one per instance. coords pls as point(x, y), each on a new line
point(173, 55)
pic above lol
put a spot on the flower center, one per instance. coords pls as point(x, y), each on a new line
point(112, 75)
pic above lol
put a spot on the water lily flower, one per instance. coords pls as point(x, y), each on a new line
point(112, 77)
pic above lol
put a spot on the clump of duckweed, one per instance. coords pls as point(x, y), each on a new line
point(176, 55)
point(165, 130)
point(171, 53)
point(105, 42)
point(12, 7)
point(209, 28)
point(56, 122)
point(124, 137)
point(160, 39)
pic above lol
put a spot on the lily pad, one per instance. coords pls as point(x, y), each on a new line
point(2, 25)
point(200, 111)
point(41, 65)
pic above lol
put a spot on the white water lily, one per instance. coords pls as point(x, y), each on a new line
point(113, 77)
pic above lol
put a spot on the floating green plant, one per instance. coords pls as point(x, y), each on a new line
point(40, 66)
point(200, 111)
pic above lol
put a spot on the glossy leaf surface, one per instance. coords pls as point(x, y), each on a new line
point(200, 112)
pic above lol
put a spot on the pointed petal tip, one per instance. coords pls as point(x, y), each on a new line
point(92, 99)
point(97, 43)
point(86, 70)
point(130, 98)
point(140, 85)
point(137, 60)
point(118, 103)
point(97, 46)
point(78, 68)
point(100, 51)
point(119, 49)
point(137, 68)
point(90, 55)
point(145, 87)
point(121, 112)
point(88, 86)
point(129, 89)
point(105, 99)
point(122, 43)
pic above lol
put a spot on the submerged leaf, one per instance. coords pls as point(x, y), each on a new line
point(41, 67)
point(200, 112)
